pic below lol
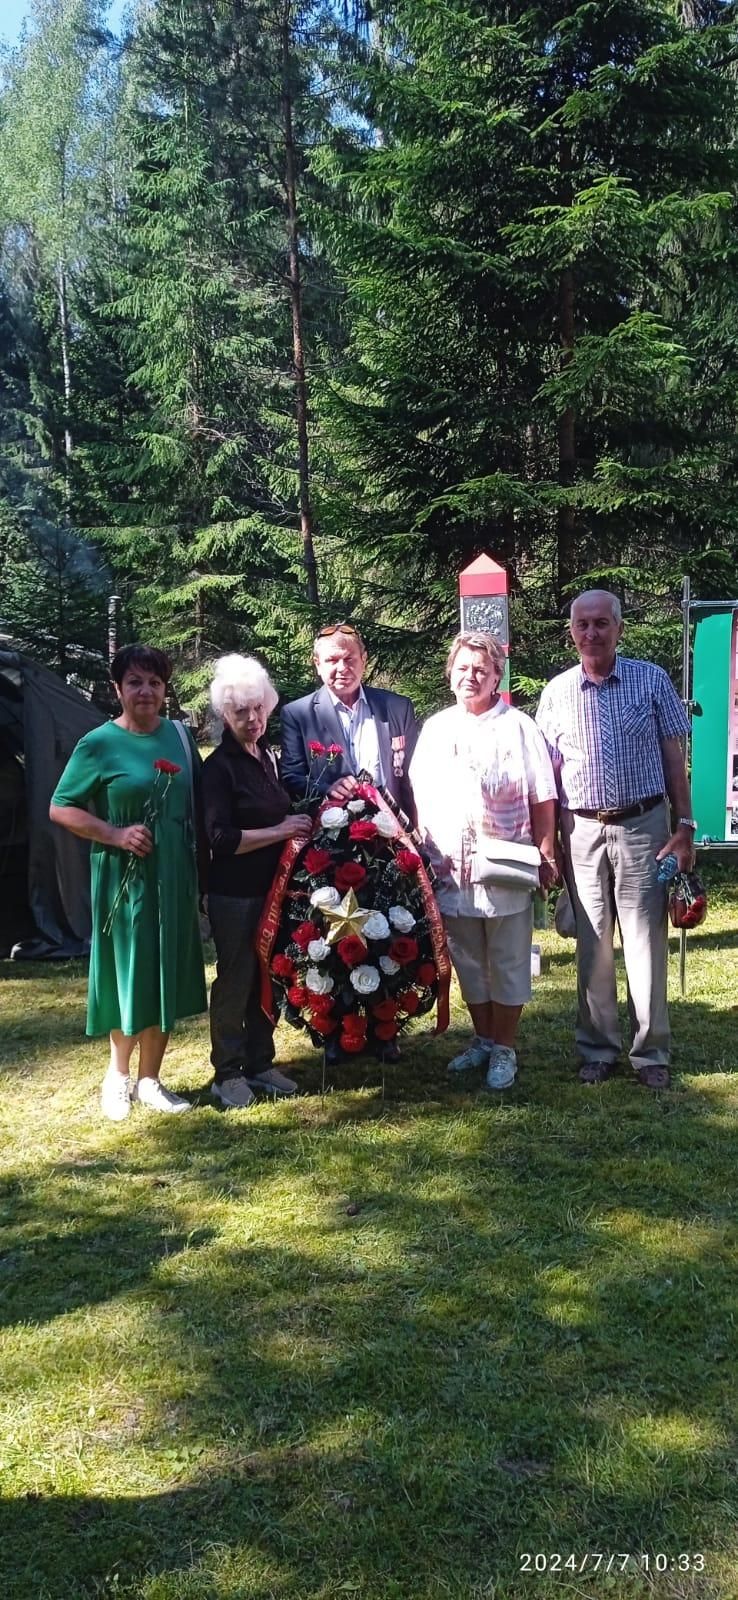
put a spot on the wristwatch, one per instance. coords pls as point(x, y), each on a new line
point(687, 822)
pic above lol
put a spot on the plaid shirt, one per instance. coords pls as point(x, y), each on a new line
point(605, 739)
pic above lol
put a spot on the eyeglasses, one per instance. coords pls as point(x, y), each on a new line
point(337, 627)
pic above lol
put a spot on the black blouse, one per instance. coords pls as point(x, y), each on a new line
point(239, 793)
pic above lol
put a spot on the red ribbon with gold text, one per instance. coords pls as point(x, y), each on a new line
point(268, 928)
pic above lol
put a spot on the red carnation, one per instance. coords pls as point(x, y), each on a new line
point(315, 748)
point(283, 967)
point(323, 1025)
point(352, 950)
point(335, 750)
point(316, 860)
point(365, 791)
point(322, 1003)
point(363, 830)
point(386, 1011)
point(354, 1023)
point(426, 974)
point(297, 996)
point(170, 767)
point(353, 1042)
point(386, 1030)
point(350, 875)
point(409, 1002)
point(403, 950)
point(304, 933)
point(408, 862)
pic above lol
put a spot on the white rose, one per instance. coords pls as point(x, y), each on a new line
point(385, 825)
point(401, 919)
point(365, 979)
point(324, 897)
point(318, 949)
point(334, 819)
point(318, 982)
point(389, 967)
point(376, 926)
point(355, 807)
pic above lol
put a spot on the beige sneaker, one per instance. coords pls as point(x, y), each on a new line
point(115, 1096)
point(152, 1094)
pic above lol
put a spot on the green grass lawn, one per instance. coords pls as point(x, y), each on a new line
point(371, 1344)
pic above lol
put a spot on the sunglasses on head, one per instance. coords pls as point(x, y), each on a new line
point(337, 627)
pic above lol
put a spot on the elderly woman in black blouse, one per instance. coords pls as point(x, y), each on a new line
point(248, 819)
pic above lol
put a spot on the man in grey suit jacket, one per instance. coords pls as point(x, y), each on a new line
point(376, 729)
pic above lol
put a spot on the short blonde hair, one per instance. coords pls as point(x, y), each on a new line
point(486, 643)
point(238, 680)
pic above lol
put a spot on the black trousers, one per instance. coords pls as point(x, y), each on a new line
point(242, 1038)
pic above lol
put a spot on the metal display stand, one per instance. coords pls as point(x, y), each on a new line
point(691, 610)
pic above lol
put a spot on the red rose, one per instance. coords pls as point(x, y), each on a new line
point(426, 974)
point(404, 950)
point(304, 933)
point(298, 996)
point(323, 1025)
point(315, 860)
point(386, 1030)
point(353, 1042)
point(408, 862)
point(409, 1002)
point(283, 967)
point(354, 1023)
point(366, 791)
point(363, 830)
point(350, 875)
point(352, 950)
point(386, 1011)
point(321, 1004)
point(170, 767)
point(315, 748)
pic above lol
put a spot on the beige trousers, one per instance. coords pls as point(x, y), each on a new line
point(611, 871)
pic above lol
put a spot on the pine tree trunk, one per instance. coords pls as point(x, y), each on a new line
point(566, 534)
point(293, 233)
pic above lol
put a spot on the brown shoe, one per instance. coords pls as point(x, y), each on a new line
point(654, 1077)
point(597, 1071)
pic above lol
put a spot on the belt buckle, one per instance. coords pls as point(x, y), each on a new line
point(606, 816)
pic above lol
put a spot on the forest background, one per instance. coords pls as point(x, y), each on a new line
point(303, 306)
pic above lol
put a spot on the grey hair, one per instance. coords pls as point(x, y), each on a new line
point(588, 594)
point(487, 643)
point(239, 679)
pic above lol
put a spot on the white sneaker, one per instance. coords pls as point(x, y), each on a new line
point(115, 1096)
point(151, 1093)
point(503, 1066)
point(275, 1083)
point(476, 1054)
point(234, 1093)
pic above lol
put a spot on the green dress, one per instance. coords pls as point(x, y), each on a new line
point(148, 969)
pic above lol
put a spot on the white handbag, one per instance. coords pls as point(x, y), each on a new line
point(503, 864)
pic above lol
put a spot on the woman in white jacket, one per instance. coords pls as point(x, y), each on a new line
point(482, 772)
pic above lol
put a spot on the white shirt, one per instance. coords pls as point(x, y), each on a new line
point(361, 741)
point(474, 778)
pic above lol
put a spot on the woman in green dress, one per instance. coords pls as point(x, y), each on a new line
point(146, 966)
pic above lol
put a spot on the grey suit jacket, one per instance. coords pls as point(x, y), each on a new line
point(314, 717)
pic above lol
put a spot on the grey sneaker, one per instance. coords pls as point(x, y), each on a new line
point(476, 1054)
point(503, 1066)
point(234, 1093)
point(275, 1083)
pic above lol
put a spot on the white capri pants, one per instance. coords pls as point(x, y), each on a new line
point(491, 956)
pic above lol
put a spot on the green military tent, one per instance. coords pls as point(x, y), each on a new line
point(44, 871)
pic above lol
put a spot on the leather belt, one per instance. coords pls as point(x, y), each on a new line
point(625, 814)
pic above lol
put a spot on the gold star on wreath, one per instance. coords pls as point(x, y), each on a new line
point(348, 917)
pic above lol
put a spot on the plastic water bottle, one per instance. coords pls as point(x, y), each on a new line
point(667, 868)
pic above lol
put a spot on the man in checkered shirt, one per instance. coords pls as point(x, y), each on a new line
point(614, 728)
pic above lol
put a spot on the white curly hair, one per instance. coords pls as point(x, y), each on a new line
point(237, 680)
